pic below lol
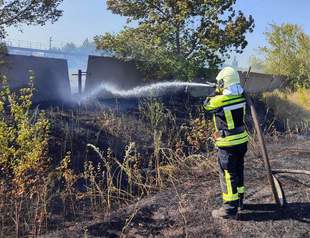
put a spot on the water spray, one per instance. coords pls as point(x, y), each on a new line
point(151, 90)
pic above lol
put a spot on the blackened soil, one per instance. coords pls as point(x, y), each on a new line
point(185, 210)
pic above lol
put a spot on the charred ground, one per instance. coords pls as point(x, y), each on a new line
point(149, 169)
point(184, 210)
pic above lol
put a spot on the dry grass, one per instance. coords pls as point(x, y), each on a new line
point(112, 159)
point(292, 108)
point(129, 155)
point(184, 210)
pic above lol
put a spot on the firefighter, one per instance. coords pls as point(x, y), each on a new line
point(228, 107)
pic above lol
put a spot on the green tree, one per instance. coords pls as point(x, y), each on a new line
point(177, 38)
point(30, 12)
point(288, 54)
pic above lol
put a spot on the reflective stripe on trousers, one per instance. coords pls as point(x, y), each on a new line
point(231, 162)
point(229, 195)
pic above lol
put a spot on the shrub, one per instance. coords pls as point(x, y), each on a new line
point(23, 150)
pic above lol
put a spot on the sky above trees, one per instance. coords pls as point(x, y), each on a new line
point(85, 19)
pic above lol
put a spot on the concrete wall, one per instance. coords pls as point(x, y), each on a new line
point(51, 76)
point(110, 70)
point(257, 82)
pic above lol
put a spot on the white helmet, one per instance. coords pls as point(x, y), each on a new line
point(228, 77)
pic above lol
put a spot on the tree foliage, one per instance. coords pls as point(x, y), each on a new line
point(69, 47)
point(288, 54)
point(177, 37)
point(30, 12)
point(86, 47)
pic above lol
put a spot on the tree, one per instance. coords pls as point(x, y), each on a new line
point(257, 64)
point(288, 54)
point(69, 47)
point(88, 45)
point(177, 37)
point(30, 12)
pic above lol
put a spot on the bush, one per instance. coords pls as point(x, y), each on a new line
point(23, 153)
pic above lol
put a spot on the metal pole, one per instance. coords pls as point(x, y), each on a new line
point(50, 41)
point(80, 81)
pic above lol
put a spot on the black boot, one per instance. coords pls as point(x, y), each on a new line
point(223, 213)
point(229, 210)
point(241, 196)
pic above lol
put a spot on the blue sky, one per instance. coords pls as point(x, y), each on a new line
point(86, 18)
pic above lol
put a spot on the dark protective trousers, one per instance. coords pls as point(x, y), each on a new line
point(231, 162)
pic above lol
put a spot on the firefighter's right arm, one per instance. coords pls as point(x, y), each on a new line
point(211, 103)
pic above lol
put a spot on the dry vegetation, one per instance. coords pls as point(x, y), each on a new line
point(291, 108)
point(91, 161)
point(23, 154)
point(147, 171)
point(184, 208)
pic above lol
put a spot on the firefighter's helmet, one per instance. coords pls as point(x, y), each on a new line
point(227, 77)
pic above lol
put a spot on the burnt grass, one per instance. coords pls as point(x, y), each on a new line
point(182, 209)
point(161, 215)
point(112, 124)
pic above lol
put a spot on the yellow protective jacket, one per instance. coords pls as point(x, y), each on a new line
point(228, 115)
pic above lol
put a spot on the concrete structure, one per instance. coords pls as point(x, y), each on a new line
point(257, 83)
point(125, 75)
point(51, 76)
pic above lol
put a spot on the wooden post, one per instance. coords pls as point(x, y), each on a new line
point(263, 147)
point(263, 150)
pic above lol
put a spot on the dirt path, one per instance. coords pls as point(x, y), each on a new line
point(185, 211)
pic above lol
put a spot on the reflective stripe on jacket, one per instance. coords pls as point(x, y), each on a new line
point(228, 115)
